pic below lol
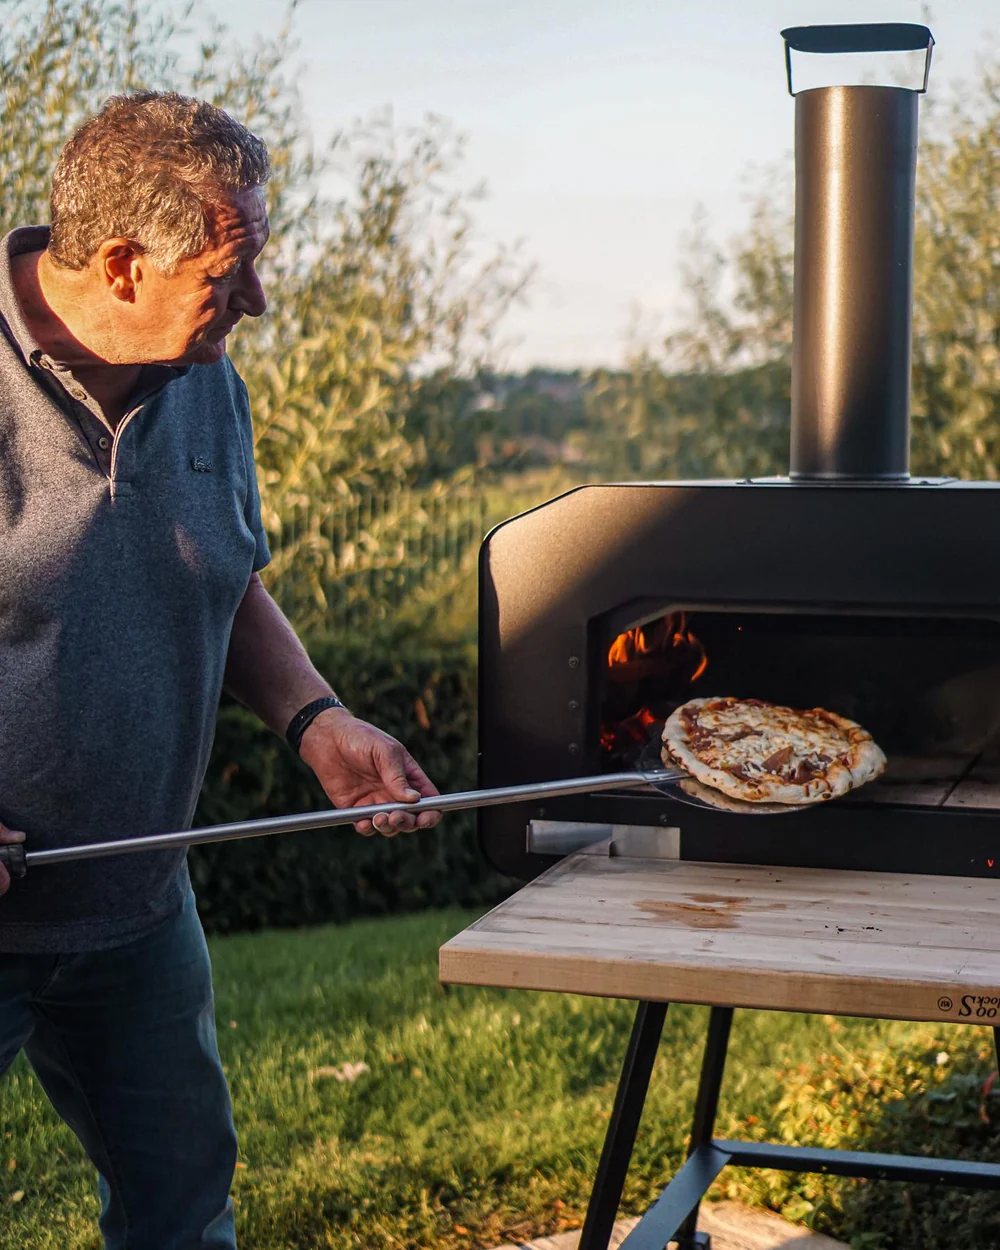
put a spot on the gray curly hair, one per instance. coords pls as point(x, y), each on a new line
point(147, 168)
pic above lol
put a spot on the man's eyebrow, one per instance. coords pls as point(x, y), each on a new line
point(225, 268)
point(247, 245)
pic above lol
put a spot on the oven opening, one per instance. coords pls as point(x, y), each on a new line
point(927, 689)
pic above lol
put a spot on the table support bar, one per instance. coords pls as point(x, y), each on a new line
point(706, 1108)
point(872, 1166)
point(664, 1220)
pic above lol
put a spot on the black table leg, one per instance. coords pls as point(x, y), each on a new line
point(706, 1106)
point(623, 1127)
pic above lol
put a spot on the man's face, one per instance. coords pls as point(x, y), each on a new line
point(187, 316)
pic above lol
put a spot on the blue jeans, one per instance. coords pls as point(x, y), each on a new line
point(123, 1042)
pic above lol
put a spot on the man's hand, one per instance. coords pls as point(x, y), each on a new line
point(7, 836)
point(358, 765)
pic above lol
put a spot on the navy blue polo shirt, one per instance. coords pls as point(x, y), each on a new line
point(124, 555)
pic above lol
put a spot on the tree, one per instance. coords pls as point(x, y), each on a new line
point(956, 375)
point(377, 291)
point(713, 398)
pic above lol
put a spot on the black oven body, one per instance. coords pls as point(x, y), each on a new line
point(878, 601)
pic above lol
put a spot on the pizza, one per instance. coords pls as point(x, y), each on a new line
point(764, 753)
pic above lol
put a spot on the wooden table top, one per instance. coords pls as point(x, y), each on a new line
point(888, 945)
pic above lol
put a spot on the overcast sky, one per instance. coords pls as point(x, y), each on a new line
point(598, 125)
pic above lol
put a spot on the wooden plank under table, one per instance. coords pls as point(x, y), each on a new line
point(890, 945)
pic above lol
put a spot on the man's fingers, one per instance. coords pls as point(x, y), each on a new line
point(395, 822)
point(388, 824)
point(7, 837)
point(404, 781)
point(428, 790)
point(391, 762)
point(403, 776)
point(405, 822)
point(418, 779)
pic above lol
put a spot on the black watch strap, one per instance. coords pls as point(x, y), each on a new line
point(305, 716)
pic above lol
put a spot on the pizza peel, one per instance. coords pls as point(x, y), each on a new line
point(686, 789)
point(674, 783)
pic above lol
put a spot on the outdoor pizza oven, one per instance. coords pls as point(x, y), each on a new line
point(848, 585)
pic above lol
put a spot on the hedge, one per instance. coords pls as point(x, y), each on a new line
point(422, 693)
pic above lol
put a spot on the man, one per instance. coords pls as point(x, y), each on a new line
point(130, 547)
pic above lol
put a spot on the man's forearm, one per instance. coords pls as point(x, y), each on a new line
point(356, 764)
point(267, 668)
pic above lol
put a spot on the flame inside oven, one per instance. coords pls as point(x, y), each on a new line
point(649, 672)
point(666, 646)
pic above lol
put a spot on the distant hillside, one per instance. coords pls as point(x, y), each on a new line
point(500, 421)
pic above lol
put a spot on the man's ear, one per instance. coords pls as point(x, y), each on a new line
point(119, 266)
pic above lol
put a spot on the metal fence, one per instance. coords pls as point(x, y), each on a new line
point(352, 564)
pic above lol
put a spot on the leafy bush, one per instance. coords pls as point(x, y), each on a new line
point(423, 694)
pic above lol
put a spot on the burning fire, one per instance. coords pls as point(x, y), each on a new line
point(651, 665)
point(640, 651)
point(635, 727)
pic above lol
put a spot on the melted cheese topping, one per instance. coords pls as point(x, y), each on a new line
point(753, 740)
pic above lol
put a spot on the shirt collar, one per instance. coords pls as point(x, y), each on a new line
point(22, 239)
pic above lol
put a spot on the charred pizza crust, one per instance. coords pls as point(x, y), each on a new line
point(711, 797)
point(764, 753)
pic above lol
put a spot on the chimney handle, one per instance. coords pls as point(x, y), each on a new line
point(866, 37)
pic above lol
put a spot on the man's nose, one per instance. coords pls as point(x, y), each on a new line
point(249, 296)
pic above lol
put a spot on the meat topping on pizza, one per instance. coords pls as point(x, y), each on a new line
point(764, 752)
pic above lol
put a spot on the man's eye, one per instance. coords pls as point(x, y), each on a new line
point(228, 274)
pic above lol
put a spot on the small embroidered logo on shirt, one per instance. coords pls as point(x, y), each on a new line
point(201, 465)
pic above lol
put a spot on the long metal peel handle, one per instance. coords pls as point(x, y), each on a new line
point(334, 817)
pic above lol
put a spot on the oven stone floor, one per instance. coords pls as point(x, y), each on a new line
point(732, 1227)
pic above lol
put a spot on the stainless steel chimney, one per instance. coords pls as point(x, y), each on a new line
point(855, 167)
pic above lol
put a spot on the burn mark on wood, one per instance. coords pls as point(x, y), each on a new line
point(717, 898)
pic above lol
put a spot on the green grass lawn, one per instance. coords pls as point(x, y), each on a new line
point(481, 1115)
